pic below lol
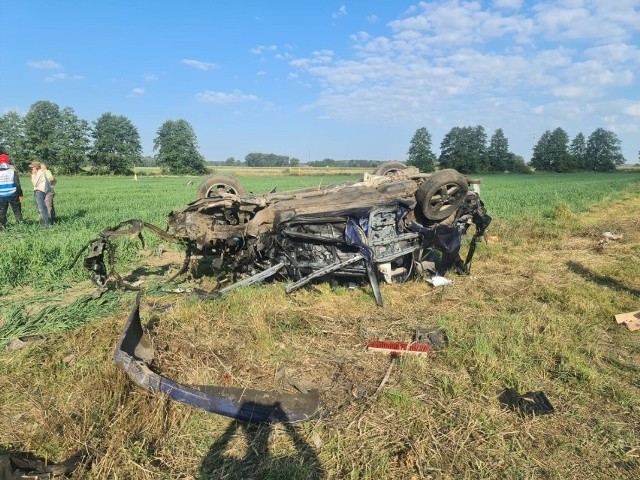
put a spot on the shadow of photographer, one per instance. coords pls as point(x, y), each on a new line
point(246, 451)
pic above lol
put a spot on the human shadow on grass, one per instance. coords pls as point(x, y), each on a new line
point(601, 280)
point(255, 460)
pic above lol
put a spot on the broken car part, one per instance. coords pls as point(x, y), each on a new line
point(391, 227)
point(530, 403)
point(134, 352)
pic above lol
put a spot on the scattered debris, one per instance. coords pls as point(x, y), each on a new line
point(530, 403)
point(630, 319)
point(436, 337)
point(24, 465)
point(612, 236)
point(438, 281)
point(606, 238)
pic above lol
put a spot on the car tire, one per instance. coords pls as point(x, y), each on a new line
point(441, 194)
point(388, 168)
point(219, 183)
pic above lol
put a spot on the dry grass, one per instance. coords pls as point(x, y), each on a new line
point(536, 314)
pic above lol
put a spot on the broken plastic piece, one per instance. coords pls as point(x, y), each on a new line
point(439, 281)
point(134, 350)
point(630, 319)
point(530, 403)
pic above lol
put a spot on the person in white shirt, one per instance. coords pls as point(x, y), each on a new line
point(41, 187)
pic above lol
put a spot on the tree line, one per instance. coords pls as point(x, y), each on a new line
point(111, 145)
point(466, 150)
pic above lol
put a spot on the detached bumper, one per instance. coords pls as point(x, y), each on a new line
point(134, 350)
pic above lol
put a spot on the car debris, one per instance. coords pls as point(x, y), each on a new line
point(394, 225)
point(530, 403)
point(134, 352)
point(631, 320)
point(434, 336)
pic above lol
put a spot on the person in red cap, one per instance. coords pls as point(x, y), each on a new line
point(10, 191)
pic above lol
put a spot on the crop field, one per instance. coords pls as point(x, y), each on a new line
point(536, 314)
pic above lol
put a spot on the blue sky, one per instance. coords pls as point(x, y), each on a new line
point(330, 79)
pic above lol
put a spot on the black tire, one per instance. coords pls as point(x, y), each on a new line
point(441, 194)
point(388, 168)
point(215, 184)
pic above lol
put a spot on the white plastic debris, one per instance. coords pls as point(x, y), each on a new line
point(439, 281)
point(612, 236)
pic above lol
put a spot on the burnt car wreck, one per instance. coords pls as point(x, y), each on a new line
point(394, 225)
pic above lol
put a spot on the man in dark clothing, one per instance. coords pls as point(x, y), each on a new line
point(10, 191)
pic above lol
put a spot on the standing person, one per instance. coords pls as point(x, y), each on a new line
point(48, 199)
point(41, 187)
point(10, 191)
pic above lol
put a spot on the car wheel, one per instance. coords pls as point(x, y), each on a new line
point(441, 194)
point(216, 184)
point(388, 168)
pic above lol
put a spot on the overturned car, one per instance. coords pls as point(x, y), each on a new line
point(394, 225)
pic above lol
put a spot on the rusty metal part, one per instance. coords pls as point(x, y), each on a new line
point(134, 351)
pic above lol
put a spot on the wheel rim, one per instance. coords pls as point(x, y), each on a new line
point(220, 188)
point(446, 197)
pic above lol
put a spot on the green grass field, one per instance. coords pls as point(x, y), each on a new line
point(536, 314)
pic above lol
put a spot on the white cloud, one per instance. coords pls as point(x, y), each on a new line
point(150, 77)
point(373, 19)
point(197, 64)
point(136, 92)
point(342, 12)
point(220, 98)
point(508, 4)
point(260, 49)
point(44, 65)
point(633, 110)
point(449, 62)
point(62, 76)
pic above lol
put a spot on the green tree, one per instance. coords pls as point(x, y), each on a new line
point(230, 161)
point(559, 148)
point(420, 154)
point(551, 153)
point(541, 159)
point(12, 139)
point(177, 147)
point(516, 164)
point(603, 151)
point(41, 128)
point(578, 152)
point(464, 148)
point(294, 162)
point(72, 142)
point(116, 146)
point(498, 155)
